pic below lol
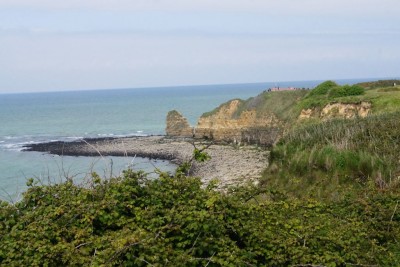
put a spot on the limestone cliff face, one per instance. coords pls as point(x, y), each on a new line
point(225, 126)
point(177, 125)
point(251, 122)
point(338, 110)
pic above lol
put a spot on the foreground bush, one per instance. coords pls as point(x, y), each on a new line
point(174, 221)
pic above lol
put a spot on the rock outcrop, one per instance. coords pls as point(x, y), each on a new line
point(228, 124)
point(260, 120)
point(337, 110)
point(177, 125)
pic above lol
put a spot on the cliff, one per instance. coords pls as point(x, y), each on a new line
point(228, 124)
point(257, 120)
point(337, 110)
point(177, 125)
point(265, 118)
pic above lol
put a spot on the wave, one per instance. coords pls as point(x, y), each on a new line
point(12, 147)
point(8, 137)
point(17, 143)
point(105, 135)
point(72, 138)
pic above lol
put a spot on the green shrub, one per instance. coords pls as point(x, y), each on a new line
point(323, 88)
point(346, 90)
point(175, 221)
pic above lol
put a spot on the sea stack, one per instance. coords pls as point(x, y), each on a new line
point(177, 125)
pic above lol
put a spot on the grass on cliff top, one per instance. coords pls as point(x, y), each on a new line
point(214, 111)
point(283, 104)
point(383, 100)
point(328, 92)
point(279, 103)
point(379, 84)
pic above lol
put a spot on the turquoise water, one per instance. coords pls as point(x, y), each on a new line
point(41, 117)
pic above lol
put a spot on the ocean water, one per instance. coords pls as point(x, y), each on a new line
point(42, 117)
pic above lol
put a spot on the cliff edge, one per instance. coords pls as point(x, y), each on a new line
point(254, 121)
point(265, 118)
point(234, 122)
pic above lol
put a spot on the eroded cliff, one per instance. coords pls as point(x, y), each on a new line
point(338, 110)
point(229, 124)
point(265, 118)
point(177, 125)
point(236, 121)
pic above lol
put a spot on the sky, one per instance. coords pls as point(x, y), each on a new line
point(48, 45)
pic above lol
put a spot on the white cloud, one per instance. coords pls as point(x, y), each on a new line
point(76, 44)
point(293, 7)
point(57, 62)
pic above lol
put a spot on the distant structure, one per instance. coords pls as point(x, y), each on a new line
point(274, 89)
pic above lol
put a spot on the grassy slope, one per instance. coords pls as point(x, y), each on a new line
point(279, 103)
point(379, 84)
point(322, 157)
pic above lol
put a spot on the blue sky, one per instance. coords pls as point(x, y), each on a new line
point(46, 45)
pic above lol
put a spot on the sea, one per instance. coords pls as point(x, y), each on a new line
point(27, 118)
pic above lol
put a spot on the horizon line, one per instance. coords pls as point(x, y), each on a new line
point(193, 85)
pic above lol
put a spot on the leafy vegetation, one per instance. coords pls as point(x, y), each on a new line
point(174, 221)
point(323, 88)
point(346, 90)
point(329, 92)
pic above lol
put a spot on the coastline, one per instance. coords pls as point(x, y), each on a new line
point(230, 165)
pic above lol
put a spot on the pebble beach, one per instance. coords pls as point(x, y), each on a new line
point(230, 165)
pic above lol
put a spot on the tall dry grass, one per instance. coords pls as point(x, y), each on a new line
point(338, 153)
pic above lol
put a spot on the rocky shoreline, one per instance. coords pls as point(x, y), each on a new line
point(230, 165)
